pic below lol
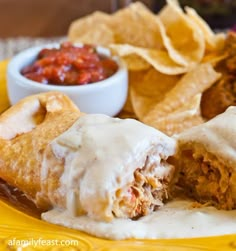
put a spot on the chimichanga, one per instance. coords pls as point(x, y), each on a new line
point(108, 167)
point(94, 165)
point(206, 161)
point(25, 131)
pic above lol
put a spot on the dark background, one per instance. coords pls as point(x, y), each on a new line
point(220, 14)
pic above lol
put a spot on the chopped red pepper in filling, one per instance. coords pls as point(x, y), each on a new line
point(70, 65)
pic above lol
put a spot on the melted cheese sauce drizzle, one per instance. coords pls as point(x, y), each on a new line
point(177, 219)
point(100, 156)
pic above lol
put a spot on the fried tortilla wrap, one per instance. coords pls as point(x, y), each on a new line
point(107, 168)
point(206, 161)
point(85, 164)
point(25, 131)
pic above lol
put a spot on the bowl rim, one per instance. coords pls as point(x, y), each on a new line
point(17, 62)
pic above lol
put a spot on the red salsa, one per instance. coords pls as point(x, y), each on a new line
point(70, 65)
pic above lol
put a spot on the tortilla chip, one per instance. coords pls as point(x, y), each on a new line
point(148, 89)
point(127, 115)
point(128, 106)
point(181, 119)
point(169, 57)
point(159, 59)
point(213, 41)
point(136, 63)
point(98, 35)
point(92, 29)
point(172, 125)
point(191, 84)
point(182, 38)
point(128, 111)
point(189, 109)
point(133, 27)
point(214, 58)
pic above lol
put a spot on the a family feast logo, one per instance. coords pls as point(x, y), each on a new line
point(40, 242)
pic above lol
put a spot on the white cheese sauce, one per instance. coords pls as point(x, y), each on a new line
point(100, 156)
point(177, 219)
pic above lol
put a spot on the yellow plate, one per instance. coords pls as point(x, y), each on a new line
point(21, 232)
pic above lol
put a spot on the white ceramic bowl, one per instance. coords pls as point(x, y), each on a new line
point(107, 96)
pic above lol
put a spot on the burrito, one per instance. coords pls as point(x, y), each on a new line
point(206, 161)
point(25, 130)
point(86, 164)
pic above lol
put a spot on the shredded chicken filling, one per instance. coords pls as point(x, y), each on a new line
point(206, 179)
point(146, 193)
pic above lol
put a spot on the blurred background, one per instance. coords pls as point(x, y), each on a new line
point(49, 19)
point(46, 18)
point(219, 14)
